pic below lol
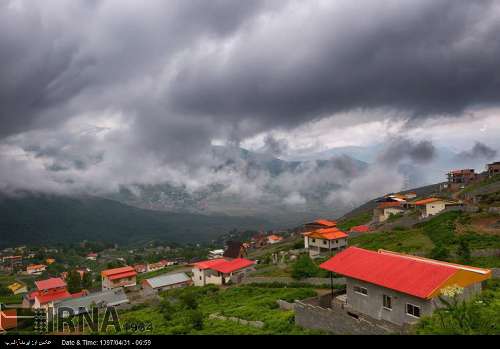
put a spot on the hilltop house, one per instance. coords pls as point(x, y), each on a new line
point(398, 288)
point(220, 271)
point(47, 292)
point(433, 206)
point(118, 277)
point(458, 179)
point(493, 168)
point(165, 282)
point(234, 249)
point(324, 241)
point(385, 209)
point(50, 261)
point(35, 269)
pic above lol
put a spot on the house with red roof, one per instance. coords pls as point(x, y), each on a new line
point(325, 241)
point(118, 277)
point(399, 288)
point(48, 292)
point(221, 271)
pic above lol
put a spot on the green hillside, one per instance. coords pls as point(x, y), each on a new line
point(42, 219)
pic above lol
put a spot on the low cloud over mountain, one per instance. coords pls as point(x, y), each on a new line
point(97, 96)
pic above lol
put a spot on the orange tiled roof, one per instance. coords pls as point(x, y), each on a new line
point(389, 204)
point(327, 234)
point(426, 201)
point(275, 237)
point(35, 266)
point(326, 222)
point(115, 271)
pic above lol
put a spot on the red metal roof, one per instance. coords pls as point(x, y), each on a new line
point(209, 263)
point(122, 275)
point(416, 277)
point(114, 271)
point(51, 297)
point(360, 229)
point(50, 283)
point(233, 265)
point(223, 265)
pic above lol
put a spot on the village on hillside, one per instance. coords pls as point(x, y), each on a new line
point(385, 270)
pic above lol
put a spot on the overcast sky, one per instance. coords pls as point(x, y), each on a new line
point(94, 94)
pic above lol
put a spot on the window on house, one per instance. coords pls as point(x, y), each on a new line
point(387, 302)
point(313, 240)
point(361, 290)
point(412, 310)
point(325, 242)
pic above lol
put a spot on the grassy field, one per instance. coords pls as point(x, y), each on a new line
point(447, 229)
point(244, 302)
point(360, 219)
point(411, 241)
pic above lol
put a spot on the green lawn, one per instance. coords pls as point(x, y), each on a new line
point(12, 299)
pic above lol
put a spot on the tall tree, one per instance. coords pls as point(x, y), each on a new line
point(87, 281)
point(74, 281)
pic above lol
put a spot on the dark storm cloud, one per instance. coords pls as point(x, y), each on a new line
point(478, 151)
point(400, 149)
point(171, 76)
point(422, 57)
point(86, 52)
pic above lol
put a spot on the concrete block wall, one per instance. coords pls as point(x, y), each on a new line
point(338, 321)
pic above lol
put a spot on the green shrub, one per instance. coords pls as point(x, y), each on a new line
point(304, 267)
point(440, 252)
